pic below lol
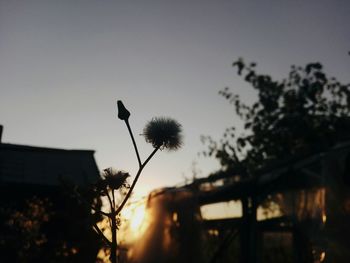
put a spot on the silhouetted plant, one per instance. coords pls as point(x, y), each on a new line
point(162, 133)
point(302, 114)
point(22, 238)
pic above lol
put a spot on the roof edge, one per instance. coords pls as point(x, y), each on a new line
point(40, 148)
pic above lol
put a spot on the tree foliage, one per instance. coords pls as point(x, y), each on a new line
point(302, 114)
point(45, 228)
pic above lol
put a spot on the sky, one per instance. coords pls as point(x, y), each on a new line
point(65, 63)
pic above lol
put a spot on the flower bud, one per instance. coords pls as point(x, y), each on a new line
point(123, 113)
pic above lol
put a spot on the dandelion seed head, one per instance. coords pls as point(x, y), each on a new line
point(163, 133)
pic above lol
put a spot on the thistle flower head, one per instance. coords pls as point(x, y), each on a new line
point(123, 113)
point(115, 179)
point(164, 133)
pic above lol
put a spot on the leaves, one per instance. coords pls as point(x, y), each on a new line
point(298, 115)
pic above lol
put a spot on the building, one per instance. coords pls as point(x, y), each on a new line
point(295, 211)
point(39, 215)
point(311, 199)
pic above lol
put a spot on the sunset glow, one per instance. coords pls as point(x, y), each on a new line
point(136, 219)
point(138, 215)
point(175, 131)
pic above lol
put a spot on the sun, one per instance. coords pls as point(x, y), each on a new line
point(135, 219)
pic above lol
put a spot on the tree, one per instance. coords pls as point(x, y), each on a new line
point(45, 228)
point(302, 114)
point(22, 238)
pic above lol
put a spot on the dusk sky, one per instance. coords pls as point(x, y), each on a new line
point(65, 63)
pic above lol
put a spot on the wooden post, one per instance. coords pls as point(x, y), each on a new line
point(248, 233)
point(296, 244)
point(252, 231)
point(244, 232)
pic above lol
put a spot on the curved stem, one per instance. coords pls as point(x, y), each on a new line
point(109, 199)
point(133, 142)
point(114, 244)
point(99, 211)
point(99, 232)
point(135, 181)
point(113, 198)
point(150, 157)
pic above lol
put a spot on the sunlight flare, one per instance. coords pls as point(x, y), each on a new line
point(136, 218)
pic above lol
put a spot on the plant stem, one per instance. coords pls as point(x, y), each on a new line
point(109, 199)
point(100, 233)
point(113, 198)
point(133, 142)
point(113, 244)
point(135, 181)
point(98, 211)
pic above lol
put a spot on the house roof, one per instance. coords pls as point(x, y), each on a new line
point(22, 164)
